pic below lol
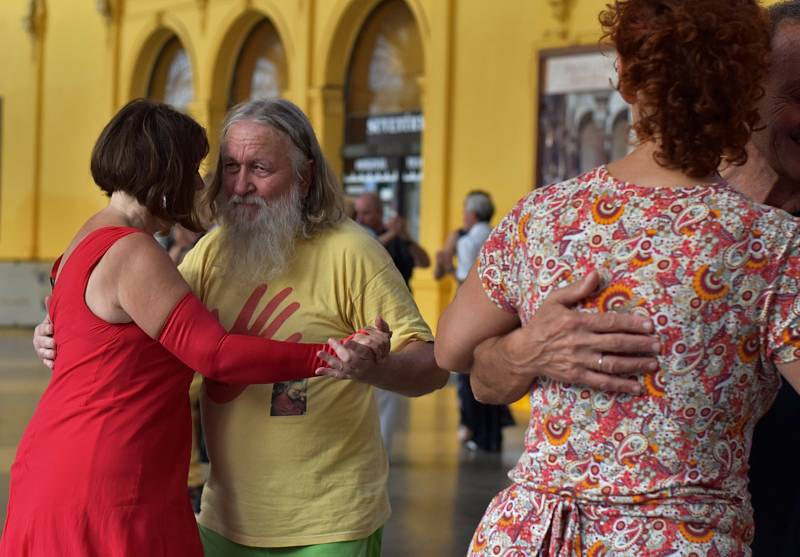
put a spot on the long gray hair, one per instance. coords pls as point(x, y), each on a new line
point(323, 206)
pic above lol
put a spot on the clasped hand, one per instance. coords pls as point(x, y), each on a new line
point(360, 355)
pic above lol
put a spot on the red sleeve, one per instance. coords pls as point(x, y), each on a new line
point(194, 336)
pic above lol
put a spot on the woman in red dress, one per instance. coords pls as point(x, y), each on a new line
point(101, 469)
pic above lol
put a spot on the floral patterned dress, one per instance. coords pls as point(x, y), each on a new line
point(663, 473)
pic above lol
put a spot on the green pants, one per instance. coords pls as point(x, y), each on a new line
point(219, 546)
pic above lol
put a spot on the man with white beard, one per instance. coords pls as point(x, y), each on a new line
point(296, 467)
point(299, 465)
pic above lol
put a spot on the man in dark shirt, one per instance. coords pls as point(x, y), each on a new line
point(405, 252)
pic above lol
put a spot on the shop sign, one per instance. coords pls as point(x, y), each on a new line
point(400, 130)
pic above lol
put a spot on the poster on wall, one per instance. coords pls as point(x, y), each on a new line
point(583, 120)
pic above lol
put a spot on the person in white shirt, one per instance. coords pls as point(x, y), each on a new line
point(481, 424)
point(466, 242)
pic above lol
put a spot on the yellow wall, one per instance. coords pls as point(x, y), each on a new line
point(18, 90)
point(62, 82)
point(76, 105)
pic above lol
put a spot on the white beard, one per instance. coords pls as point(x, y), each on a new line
point(259, 247)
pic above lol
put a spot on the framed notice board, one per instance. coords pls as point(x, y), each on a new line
point(583, 120)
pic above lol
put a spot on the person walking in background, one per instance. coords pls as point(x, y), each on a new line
point(465, 243)
point(406, 255)
point(481, 425)
point(661, 468)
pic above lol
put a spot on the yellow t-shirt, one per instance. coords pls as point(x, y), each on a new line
point(302, 463)
point(197, 470)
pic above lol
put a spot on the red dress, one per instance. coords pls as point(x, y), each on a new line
point(102, 467)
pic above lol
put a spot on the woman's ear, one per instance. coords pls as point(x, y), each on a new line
point(628, 96)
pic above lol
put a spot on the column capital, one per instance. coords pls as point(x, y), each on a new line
point(562, 12)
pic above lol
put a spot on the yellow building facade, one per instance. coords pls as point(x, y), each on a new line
point(470, 68)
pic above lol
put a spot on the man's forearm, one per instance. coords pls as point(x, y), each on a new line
point(444, 265)
point(411, 371)
point(491, 375)
point(386, 237)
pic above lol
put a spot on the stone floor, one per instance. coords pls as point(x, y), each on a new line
point(438, 489)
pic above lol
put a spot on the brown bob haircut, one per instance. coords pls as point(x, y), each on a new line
point(696, 68)
point(151, 152)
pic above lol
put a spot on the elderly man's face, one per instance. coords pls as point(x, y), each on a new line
point(779, 141)
point(257, 165)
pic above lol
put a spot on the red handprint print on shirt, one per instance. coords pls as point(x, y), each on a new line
point(265, 325)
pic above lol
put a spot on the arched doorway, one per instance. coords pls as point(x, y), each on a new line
point(261, 70)
point(171, 77)
point(383, 104)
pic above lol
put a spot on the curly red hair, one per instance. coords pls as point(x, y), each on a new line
point(696, 69)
